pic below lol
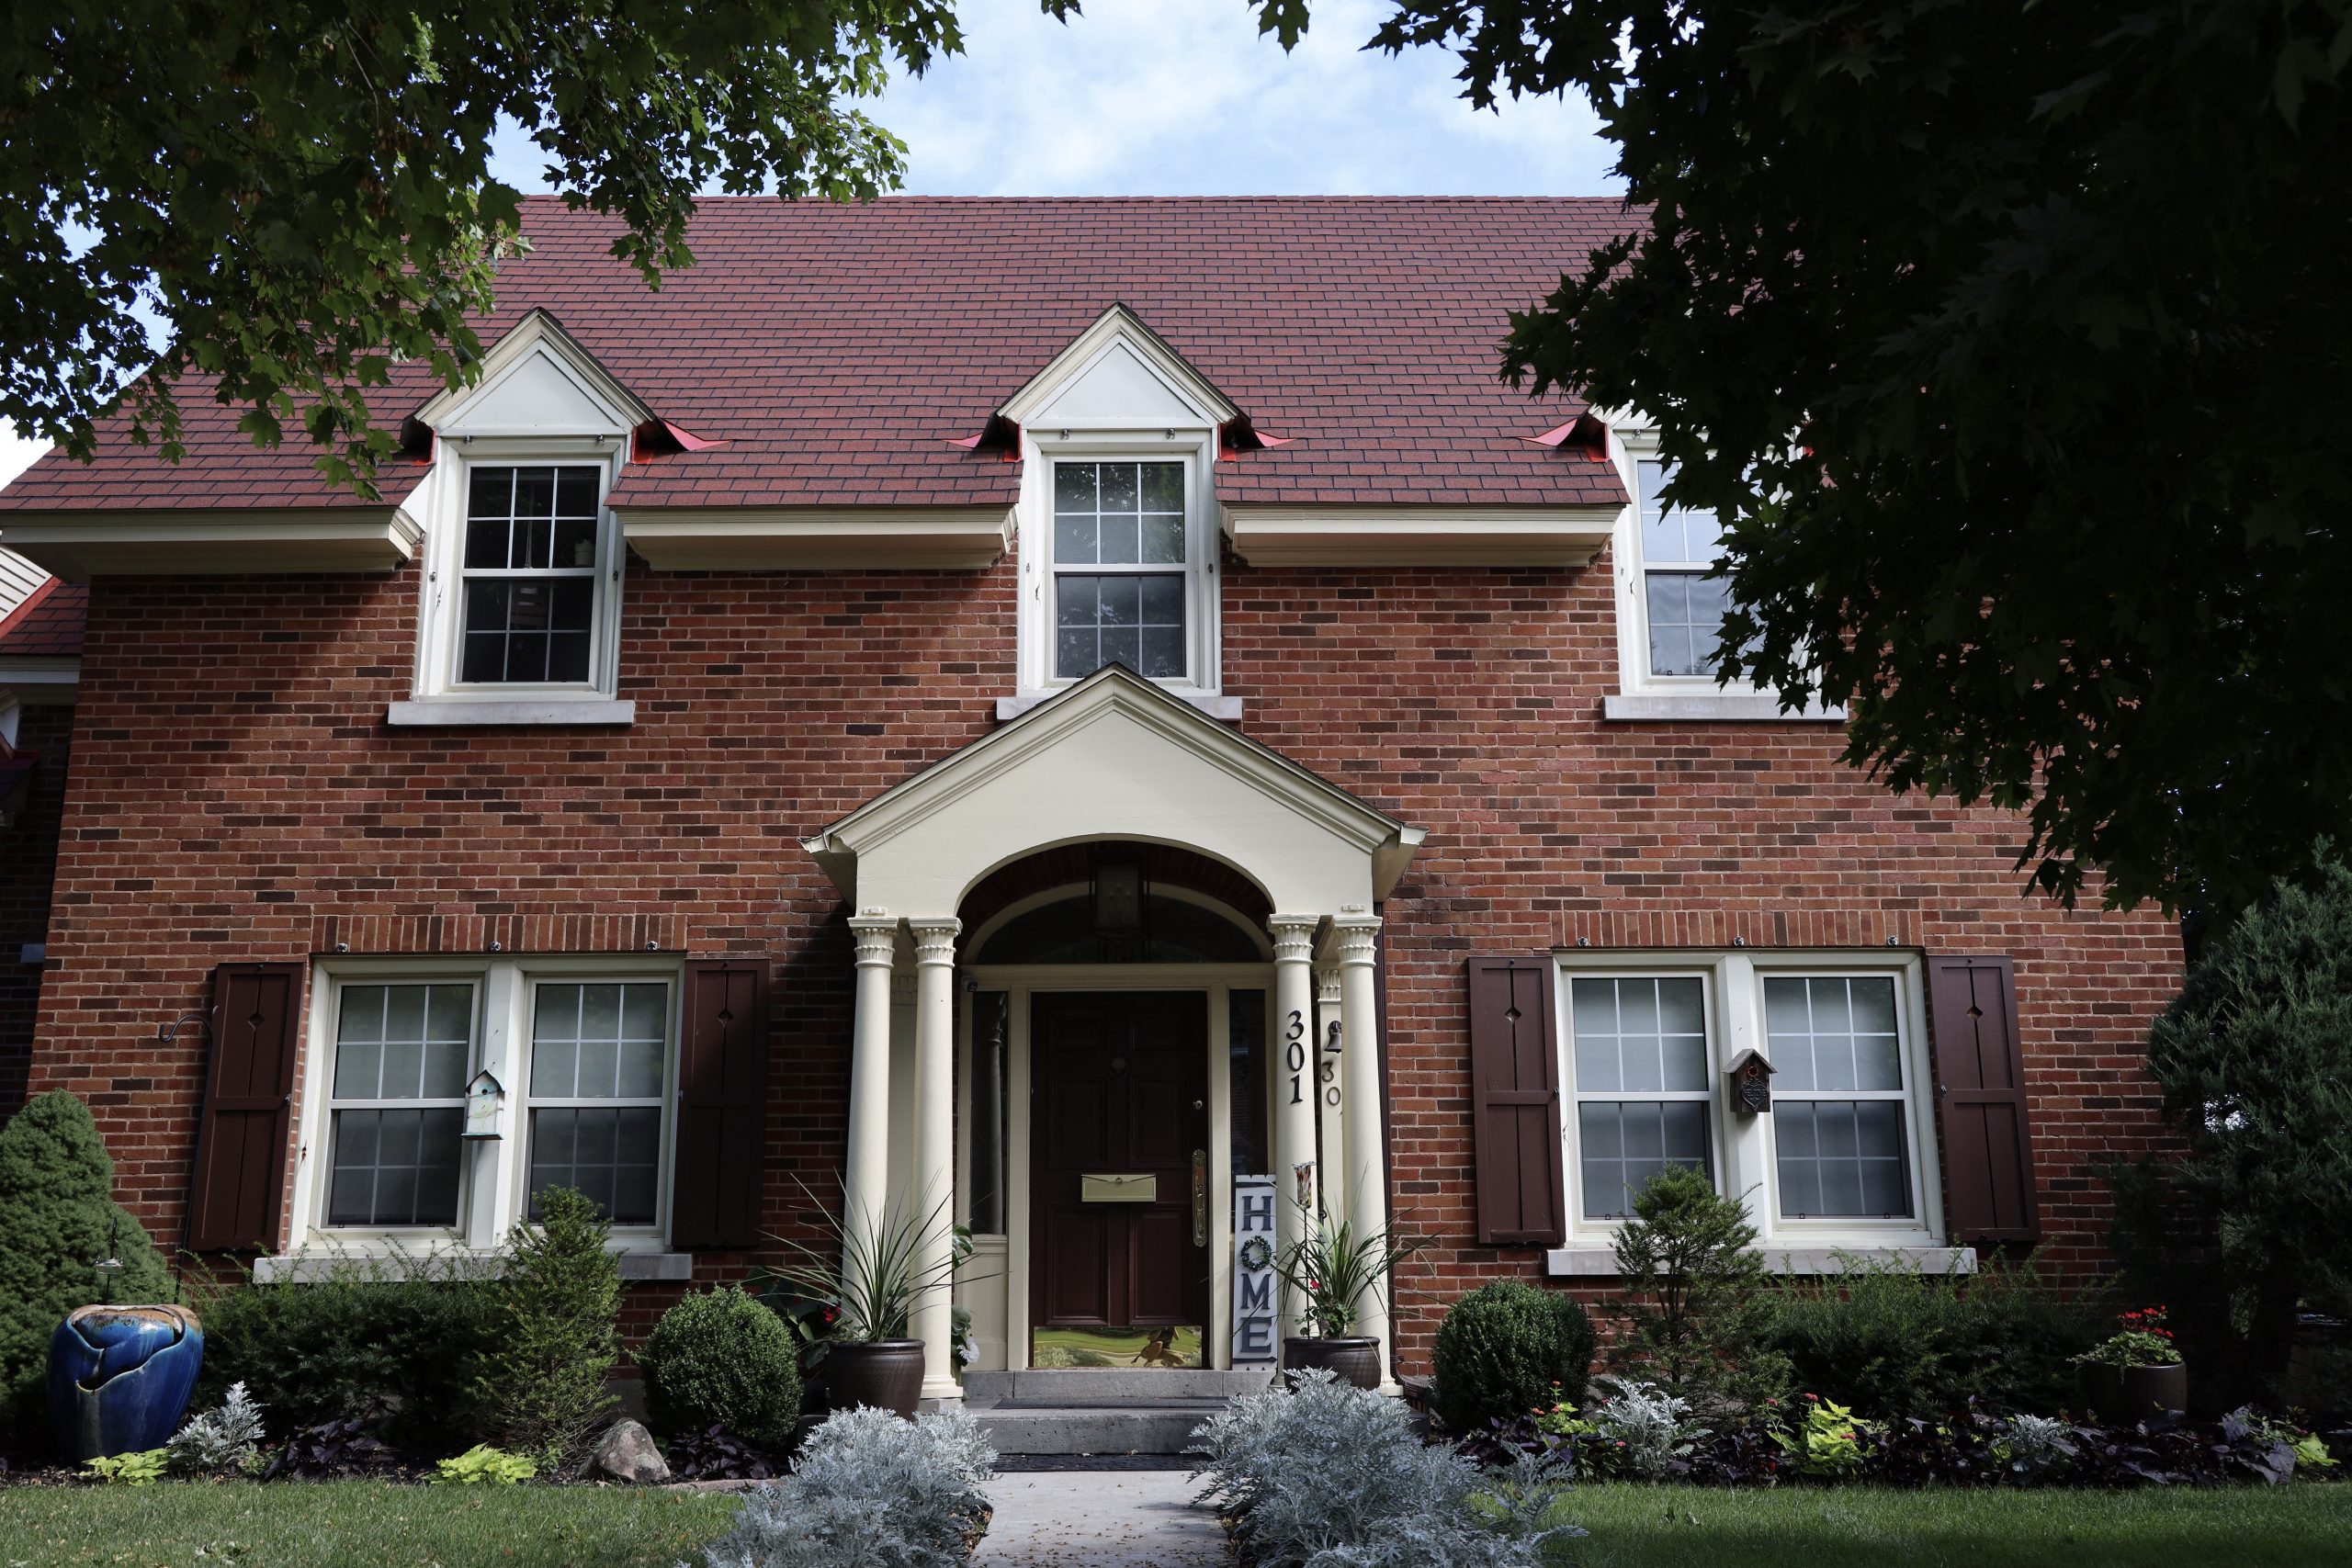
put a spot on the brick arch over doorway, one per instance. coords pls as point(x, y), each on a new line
point(1163, 865)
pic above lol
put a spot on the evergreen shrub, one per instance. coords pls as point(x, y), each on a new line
point(540, 1380)
point(1505, 1348)
point(721, 1358)
point(58, 1218)
point(1694, 1295)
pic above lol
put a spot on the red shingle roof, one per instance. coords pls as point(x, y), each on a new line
point(48, 624)
point(838, 352)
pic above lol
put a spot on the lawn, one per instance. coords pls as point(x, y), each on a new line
point(353, 1525)
point(2244, 1527)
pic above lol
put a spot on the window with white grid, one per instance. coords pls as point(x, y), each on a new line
point(396, 1105)
point(1841, 1114)
point(1683, 608)
point(599, 1055)
point(527, 599)
point(1119, 579)
point(1639, 1061)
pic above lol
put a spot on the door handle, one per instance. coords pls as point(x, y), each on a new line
point(1200, 1197)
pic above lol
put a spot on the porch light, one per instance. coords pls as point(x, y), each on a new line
point(1118, 896)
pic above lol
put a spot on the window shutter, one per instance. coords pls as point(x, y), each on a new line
point(245, 1131)
point(1980, 1084)
point(1515, 1103)
point(722, 1106)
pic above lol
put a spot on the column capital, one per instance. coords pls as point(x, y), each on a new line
point(1293, 937)
point(877, 938)
point(1355, 938)
point(935, 938)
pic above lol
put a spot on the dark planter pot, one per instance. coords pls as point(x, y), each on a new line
point(1351, 1360)
point(2123, 1395)
point(884, 1373)
point(119, 1378)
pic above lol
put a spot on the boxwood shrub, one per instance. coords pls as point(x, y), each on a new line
point(1502, 1349)
point(722, 1359)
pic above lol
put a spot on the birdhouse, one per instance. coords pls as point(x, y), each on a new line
point(1750, 1076)
point(483, 1097)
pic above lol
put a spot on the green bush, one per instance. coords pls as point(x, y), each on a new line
point(58, 1217)
point(541, 1382)
point(1694, 1296)
point(1505, 1348)
point(353, 1343)
point(721, 1357)
point(1891, 1340)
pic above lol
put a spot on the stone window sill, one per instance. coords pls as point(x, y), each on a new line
point(1600, 1263)
point(432, 713)
point(1712, 707)
point(1210, 702)
point(307, 1267)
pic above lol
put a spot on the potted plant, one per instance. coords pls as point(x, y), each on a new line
point(2136, 1371)
point(1333, 1266)
point(864, 1289)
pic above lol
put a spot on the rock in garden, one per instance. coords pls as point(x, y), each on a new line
point(625, 1453)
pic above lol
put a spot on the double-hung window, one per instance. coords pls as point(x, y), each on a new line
point(1839, 1107)
point(598, 1054)
point(527, 604)
point(1642, 1083)
point(1683, 607)
point(1119, 578)
point(402, 1054)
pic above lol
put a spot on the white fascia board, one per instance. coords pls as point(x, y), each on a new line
point(1419, 536)
point(815, 538)
point(78, 546)
point(1119, 325)
point(622, 410)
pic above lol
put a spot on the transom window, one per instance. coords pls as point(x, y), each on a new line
point(1838, 1095)
point(1119, 555)
point(528, 595)
point(1684, 607)
point(1642, 1083)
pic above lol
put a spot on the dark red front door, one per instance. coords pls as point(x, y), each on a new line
point(1119, 1096)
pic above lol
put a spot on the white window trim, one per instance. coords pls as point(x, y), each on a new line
point(1101, 442)
point(491, 1185)
point(1742, 1145)
point(438, 696)
point(1640, 694)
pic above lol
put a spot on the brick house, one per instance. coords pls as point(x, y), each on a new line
point(1056, 703)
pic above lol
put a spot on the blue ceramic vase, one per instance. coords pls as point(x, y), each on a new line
point(119, 1378)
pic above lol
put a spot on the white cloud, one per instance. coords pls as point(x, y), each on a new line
point(17, 452)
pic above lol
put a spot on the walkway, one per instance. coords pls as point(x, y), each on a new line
point(1097, 1518)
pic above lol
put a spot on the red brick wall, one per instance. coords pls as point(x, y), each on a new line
point(237, 796)
point(28, 859)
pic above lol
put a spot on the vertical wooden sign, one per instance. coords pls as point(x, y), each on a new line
point(1253, 1271)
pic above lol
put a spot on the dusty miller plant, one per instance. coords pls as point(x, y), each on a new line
point(1332, 1476)
point(870, 1491)
point(225, 1440)
point(1653, 1426)
point(2036, 1446)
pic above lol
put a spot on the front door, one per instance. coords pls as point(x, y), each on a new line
point(1119, 1137)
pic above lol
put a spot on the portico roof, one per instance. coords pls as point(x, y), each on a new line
point(1115, 756)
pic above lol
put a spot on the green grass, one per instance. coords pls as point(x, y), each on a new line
point(352, 1524)
point(2243, 1527)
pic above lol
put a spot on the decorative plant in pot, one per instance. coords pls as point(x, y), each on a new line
point(868, 1282)
point(2136, 1373)
point(1333, 1266)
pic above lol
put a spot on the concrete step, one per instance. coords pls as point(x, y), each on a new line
point(1111, 1385)
point(1141, 1426)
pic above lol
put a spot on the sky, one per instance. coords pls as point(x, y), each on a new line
point(1184, 98)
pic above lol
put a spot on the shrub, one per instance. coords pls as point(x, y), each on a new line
point(225, 1440)
point(1333, 1474)
point(141, 1469)
point(482, 1465)
point(2254, 1063)
point(1888, 1338)
point(721, 1358)
point(357, 1343)
point(1694, 1295)
point(1505, 1348)
point(870, 1491)
point(540, 1380)
point(57, 1218)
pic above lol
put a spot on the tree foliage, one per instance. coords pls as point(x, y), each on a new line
point(302, 193)
point(58, 1217)
point(2253, 1061)
point(2008, 341)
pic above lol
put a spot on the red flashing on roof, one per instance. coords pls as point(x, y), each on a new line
point(660, 438)
point(999, 436)
point(1236, 436)
point(1584, 434)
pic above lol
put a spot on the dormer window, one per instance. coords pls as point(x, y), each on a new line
point(529, 597)
point(1119, 570)
point(1683, 606)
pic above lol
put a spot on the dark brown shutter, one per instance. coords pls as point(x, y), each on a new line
point(243, 1132)
point(722, 1106)
point(1515, 1103)
point(1980, 1084)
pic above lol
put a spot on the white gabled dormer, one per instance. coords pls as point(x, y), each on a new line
point(519, 618)
point(1118, 519)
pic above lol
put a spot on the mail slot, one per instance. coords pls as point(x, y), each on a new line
point(1118, 1188)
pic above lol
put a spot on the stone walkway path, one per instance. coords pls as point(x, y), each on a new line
point(1092, 1519)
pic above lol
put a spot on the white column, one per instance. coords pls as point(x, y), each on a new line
point(1330, 1099)
point(866, 1172)
point(1354, 934)
point(1293, 1052)
point(933, 1196)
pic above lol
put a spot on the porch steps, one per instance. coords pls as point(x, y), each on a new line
point(1086, 1411)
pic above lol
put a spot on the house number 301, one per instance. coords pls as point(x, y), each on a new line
point(1295, 1054)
